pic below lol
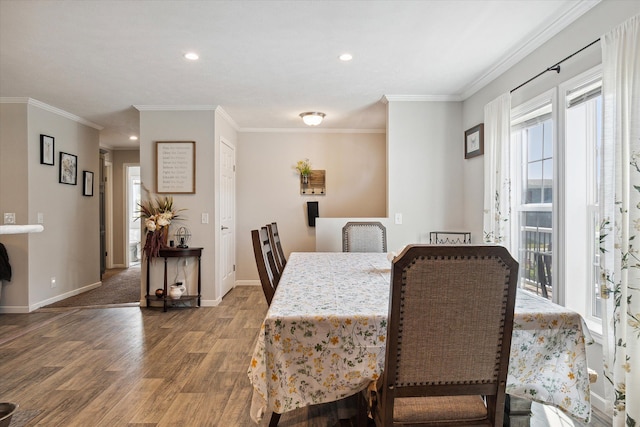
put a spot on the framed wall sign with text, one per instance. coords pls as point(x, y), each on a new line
point(175, 167)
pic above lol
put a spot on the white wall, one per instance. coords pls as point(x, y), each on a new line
point(268, 186)
point(425, 164)
point(184, 125)
point(68, 248)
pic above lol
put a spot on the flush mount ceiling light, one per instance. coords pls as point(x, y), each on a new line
point(346, 57)
point(133, 138)
point(192, 56)
point(312, 118)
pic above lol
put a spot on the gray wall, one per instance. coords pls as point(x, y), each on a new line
point(68, 248)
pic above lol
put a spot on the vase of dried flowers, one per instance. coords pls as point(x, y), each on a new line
point(157, 216)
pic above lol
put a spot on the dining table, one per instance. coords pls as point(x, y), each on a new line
point(323, 339)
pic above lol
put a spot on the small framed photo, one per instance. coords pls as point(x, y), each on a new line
point(474, 141)
point(47, 150)
point(87, 188)
point(68, 168)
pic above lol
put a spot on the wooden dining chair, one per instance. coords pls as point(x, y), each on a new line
point(367, 236)
point(276, 245)
point(448, 338)
point(267, 270)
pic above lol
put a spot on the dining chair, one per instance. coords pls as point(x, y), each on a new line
point(364, 236)
point(543, 261)
point(448, 338)
point(267, 270)
point(276, 245)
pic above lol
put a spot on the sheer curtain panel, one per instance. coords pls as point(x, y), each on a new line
point(620, 227)
point(497, 170)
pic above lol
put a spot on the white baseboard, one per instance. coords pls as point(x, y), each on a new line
point(248, 283)
point(60, 297)
point(598, 402)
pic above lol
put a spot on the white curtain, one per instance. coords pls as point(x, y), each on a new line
point(620, 227)
point(497, 180)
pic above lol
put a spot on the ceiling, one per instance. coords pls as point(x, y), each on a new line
point(263, 62)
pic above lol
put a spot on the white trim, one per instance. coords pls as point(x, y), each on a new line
point(64, 296)
point(421, 98)
point(51, 109)
point(175, 107)
point(227, 117)
point(564, 19)
point(108, 212)
point(210, 302)
point(248, 283)
point(309, 130)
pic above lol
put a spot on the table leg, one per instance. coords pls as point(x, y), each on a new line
point(275, 418)
point(517, 411)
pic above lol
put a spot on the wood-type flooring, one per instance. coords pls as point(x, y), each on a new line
point(132, 366)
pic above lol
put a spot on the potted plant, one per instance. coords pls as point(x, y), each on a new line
point(304, 168)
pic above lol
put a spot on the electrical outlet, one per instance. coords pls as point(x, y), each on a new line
point(53, 282)
point(40, 218)
point(9, 218)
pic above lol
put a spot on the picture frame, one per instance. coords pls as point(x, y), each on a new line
point(47, 150)
point(474, 141)
point(68, 168)
point(175, 167)
point(87, 188)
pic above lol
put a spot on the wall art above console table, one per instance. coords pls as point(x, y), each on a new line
point(175, 167)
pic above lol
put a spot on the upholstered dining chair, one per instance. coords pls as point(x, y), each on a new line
point(448, 338)
point(367, 236)
point(276, 246)
point(267, 270)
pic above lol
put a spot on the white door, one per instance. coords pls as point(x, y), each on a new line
point(227, 216)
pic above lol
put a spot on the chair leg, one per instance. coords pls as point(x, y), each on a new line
point(275, 418)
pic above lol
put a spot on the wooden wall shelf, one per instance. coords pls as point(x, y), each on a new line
point(315, 183)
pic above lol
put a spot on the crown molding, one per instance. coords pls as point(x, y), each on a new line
point(573, 12)
point(228, 118)
point(51, 109)
point(310, 130)
point(175, 107)
point(420, 98)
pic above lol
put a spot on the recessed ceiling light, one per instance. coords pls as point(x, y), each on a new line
point(192, 56)
point(346, 57)
point(133, 138)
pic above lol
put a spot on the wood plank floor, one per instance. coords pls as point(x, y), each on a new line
point(131, 366)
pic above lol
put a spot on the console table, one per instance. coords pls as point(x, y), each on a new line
point(167, 253)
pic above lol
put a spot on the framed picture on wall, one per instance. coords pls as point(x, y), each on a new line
point(474, 141)
point(68, 168)
point(47, 150)
point(87, 187)
point(175, 167)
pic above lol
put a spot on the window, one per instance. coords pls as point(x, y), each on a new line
point(532, 139)
point(583, 119)
point(555, 180)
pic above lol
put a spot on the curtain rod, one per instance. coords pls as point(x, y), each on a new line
point(556, 66)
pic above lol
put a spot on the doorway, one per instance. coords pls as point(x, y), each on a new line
point(133, 254)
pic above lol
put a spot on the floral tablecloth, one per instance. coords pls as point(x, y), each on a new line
point(323, 339)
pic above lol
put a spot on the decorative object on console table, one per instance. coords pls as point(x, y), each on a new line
point(182, 236)
point(68, 168)
point(474, 141)
point(167, 300)
point(157, 216)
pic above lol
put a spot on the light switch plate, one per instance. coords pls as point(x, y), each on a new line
point(398, 218)
point(9, 218)
point(205, 218)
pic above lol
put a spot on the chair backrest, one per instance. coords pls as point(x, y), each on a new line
point(543, 260)
point(276, 246)
point(368, 236)
point(267, 270)
point(450, 323)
